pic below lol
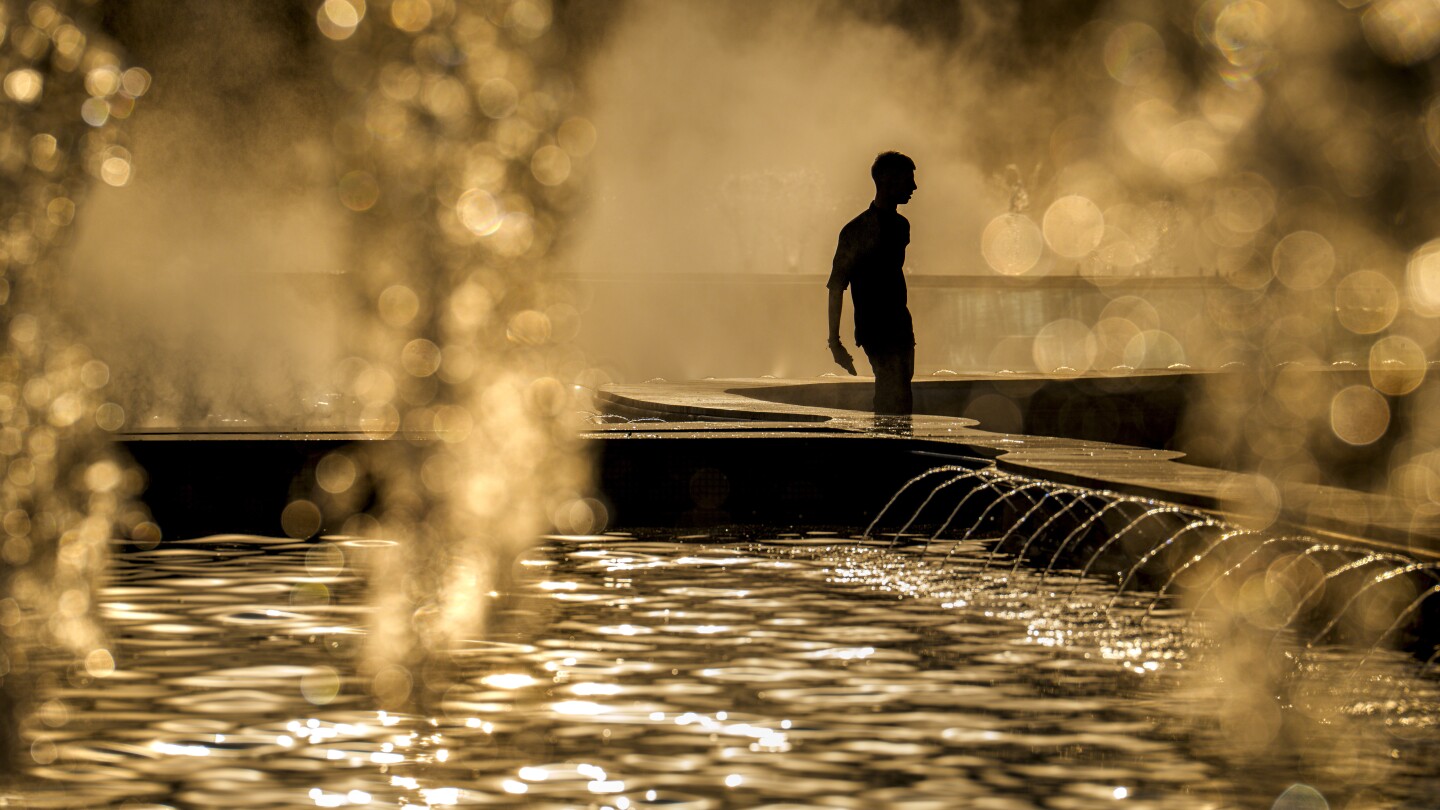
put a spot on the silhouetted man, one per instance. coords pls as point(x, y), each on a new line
point(870, 261)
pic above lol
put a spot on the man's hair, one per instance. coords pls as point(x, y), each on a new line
point(890, 163)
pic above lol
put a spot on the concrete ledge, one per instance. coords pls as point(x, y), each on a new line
point(1370, 518)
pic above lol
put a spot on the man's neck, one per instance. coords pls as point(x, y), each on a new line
point(885, 206)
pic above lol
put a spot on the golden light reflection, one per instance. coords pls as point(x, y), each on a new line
point(115, 166)
point(1397, 365)
point(135, 81)
point(398, 307)
point(498, 98)
point(338, 19)
point(577, 136)
point(335, 472)
point(24, 85)
point(479, 212)
point(1134, 53)
point(1422, 279)
point(301, 518)
point(420, 357)
point(1012, 244)
point(95, 111)
point(1359, 415)
point(1403, 31)
point(465, 315)
point(1065, 346)
point(1073, 226)
point(100, 663)
point(1241, 30)
point(1366, 301)
point(66, 493)
point(528, 19)
point(1189, 165)
point(1303, 260)
point(358, 191)
point(550, 165)
point(1231, 107)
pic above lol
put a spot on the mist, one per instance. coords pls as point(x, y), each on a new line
point(735, 142)
point(738, 138)
point(1076, 162)
point(208, 275)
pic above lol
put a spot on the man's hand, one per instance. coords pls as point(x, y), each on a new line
point(842, 357)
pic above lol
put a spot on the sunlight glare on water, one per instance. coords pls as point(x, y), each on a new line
point(846, 675)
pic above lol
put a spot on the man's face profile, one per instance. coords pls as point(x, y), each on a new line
point(896, 186)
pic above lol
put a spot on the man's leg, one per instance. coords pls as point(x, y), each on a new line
point(893, 369)
point(906, 362)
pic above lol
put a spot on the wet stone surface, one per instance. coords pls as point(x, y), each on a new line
point(629, 672)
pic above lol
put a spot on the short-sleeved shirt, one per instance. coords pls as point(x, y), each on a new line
point(870, 259)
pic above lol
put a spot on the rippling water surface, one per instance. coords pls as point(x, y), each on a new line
point(722, 671)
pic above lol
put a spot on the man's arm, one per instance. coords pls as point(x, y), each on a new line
point(837, 349)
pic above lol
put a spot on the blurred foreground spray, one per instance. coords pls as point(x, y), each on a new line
point(65, 90)
point(452, 155)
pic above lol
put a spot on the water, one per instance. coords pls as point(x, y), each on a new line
point(741, 670)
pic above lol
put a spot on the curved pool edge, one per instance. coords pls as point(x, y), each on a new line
point(1332, 512)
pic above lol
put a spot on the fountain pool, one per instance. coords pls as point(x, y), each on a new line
point(736, 668)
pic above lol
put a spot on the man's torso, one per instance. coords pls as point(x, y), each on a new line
point(870, 259)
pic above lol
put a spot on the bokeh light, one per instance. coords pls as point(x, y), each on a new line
point(24, 85)
point(1403, 31)
point(1359, 415)
point(1073, 226)
point(1303, 260)
point(338, 19)
point(1397, 365)
point(1366, 301)
point(1422, 278)
point(67, 492)
point(1065, 346)
point(1012, 244)
point(1134, 53)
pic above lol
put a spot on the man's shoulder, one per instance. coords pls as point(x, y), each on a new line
point(865, 220)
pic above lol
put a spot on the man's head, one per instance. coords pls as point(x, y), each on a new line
point(894, 176)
